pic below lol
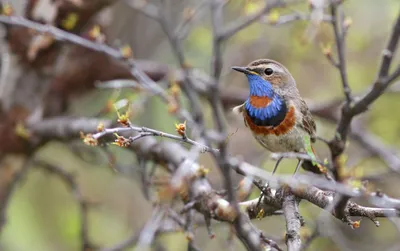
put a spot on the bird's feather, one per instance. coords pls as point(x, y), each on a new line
point(238, 109)
point(307, 123)
point(271, 115)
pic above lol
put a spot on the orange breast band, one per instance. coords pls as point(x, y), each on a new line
point(285, 126)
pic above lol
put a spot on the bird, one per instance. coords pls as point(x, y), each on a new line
point(276, 114)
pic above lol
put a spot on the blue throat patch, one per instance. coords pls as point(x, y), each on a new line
point(259, 86)
point(272, 114)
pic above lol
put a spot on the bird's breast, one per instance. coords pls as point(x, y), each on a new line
point(293, 141)
point(281, 123)
point(264, 111)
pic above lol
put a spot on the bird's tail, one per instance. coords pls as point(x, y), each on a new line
point(315, 168)
point(312, 166)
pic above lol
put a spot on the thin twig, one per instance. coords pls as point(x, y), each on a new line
point(145, 131)
point(71, 182)
point(315, 234)
point(349, 110)
point(384, 79)
point(247, 235)
point(175, 43)
point(7, 188)
point(62, 35)
point(375, 146)
point(216, 68)
point(182, 29)
point(242, 23)
point(296, 16)
point(337, 23)
point(270, 242)
point(148, 233)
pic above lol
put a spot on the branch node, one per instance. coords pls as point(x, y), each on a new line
point(387, 53)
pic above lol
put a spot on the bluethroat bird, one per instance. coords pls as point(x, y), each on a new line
point(275, 113)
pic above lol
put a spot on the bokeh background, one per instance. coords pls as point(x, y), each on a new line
point(43, 214)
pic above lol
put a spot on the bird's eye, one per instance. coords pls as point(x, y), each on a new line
point(269, 71)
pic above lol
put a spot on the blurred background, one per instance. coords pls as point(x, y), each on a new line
point(43, 215)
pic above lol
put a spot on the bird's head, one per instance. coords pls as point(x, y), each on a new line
point(265, 77)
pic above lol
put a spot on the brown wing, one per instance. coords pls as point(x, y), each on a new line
point(308, 123)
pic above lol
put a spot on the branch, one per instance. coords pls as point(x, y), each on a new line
point(170, 152)
point(384, 79)
point(245, 232)
point(144, 131)
point(149, 230)
point(216, 68)
point(375, 146)
point(165, 225)
point(234, 98)
point(323, 199)
point(349, 110)
point(62, 35)
point(299, 156)
point(293, 224)
point(307, 242)
point(366, 139)
point(209, 203)
point(339, 30)
point(296, 16)
point(182, 29)
point(300, 181)
point(242, 23)
point(72, 183)
point(148, 9)
point(175, 43)
point(9, 177)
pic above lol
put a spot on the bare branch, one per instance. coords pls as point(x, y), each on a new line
point(71, 182)
point(310, 239)
point(175, 43)
point(149, 230)
point(9, 179)
point(188, 178)
point(293, 224)
point(349, 110)
point(338, 28)
point(240, 24)
point(271, 243)
point(165, 225)
point(62, 35)
point(374, 145)
point(301, 185)
point(245, 231)
point(296, 16)
point(145, 7)
point(337, 23)
point(182, 29)
point(378, 87)
point(216, 68)
point(144, 131)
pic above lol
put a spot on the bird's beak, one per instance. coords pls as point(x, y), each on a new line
point(244, 70)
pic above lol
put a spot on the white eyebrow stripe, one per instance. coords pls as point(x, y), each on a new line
point(275, 68)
